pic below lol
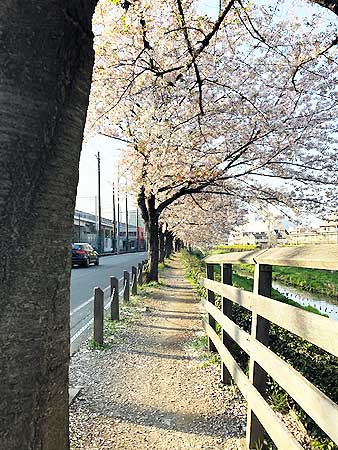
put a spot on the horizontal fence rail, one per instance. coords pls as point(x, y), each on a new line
point(324, 256)
point(317, 329)
point(314, 328)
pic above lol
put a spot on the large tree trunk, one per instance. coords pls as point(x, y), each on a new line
point(161, 243)
point(46, 60)
point(169, 239)
point(153, 250)
point(150, 217)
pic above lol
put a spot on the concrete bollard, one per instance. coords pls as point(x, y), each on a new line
point(114, 295)
point(126, 286)
point(134, 280)
point(98, 315)
point(140, 274)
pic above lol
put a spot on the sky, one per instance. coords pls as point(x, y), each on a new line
point(111, 150)
point(285, 8)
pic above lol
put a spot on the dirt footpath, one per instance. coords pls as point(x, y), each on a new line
point(149, 389)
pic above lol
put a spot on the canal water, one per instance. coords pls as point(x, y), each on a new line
point(325, 304)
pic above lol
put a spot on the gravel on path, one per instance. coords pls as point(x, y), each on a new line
point(149, 389)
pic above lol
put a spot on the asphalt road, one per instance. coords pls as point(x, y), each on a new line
point(85, 279)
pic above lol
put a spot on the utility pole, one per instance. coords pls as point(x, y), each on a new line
point(79, 226)
point(99, 243)
point(127, 229)
point(118, 217)
point(137, 237)
point(114, 221)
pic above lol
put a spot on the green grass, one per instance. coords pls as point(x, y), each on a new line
point(153, 284)
point(200, 345)
point(246, 283)
point(112, 329)
point(93, 345)
point(162, 266)
point(279, 400)
point(232, 248)
point(311, 280)
point(323, 444)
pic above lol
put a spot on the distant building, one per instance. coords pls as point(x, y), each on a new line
point(260, 238)
point(302, 235)
point(248, 238)
point(86, 230)
point(325, 233)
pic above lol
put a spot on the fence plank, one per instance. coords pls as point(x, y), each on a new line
point(126, 286)
point(114, 295)
point(317, 329)
point(323, 256)
point(98, 315)
point(314, 402)
point(211, 298)
point(274, 427)
point(239, 296)
point(134, 280)
point(260, 331)
point(226, 278)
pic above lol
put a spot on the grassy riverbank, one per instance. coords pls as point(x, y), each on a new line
point(319, 367)
point(317, 281)
point(312, 280)
point(232, 248)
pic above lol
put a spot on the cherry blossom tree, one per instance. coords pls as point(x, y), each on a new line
point(214, 107)
point(211, 217)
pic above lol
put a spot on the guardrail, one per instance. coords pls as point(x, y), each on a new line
point(95, 316)
point(316, 329)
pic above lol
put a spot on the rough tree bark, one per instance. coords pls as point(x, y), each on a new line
point(162, 245)
point(150, 215)
point(153, 249)
point(169, 239)
point(46, 61)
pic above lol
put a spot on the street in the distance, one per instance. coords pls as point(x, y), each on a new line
point(84, 280)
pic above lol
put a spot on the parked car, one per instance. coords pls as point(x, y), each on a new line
point(83, 254)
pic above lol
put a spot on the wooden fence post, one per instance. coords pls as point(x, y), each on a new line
point(140, 274)
point(259, 330)
point(211, 299)
point(134, 280)
point(114, 295)
point(226, 278)
point(98, 315)
point(126, 286)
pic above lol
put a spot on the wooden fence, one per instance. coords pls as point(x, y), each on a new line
point(316, 329)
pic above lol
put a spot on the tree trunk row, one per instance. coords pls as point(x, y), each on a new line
point(160, 246)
